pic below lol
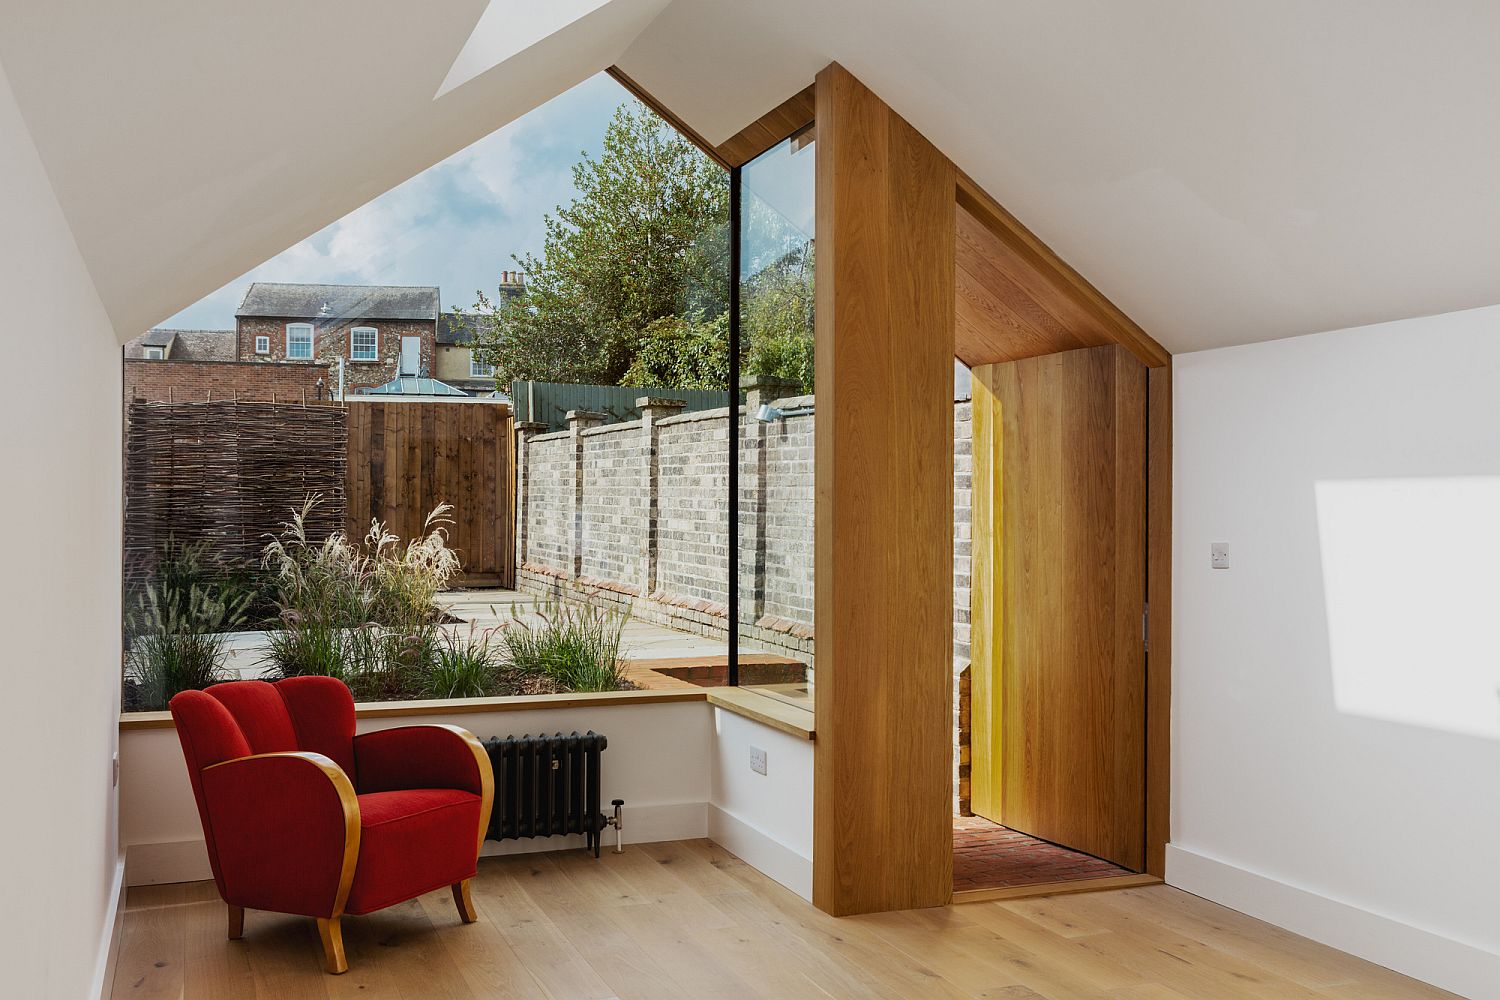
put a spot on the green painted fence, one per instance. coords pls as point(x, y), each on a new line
point(549, 402)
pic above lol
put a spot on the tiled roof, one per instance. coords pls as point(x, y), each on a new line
point(457, 328)
point(297, 301)
point(186, 345)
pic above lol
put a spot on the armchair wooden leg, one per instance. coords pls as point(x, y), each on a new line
point(236, 922)
point(464, 901)
point(333, 946)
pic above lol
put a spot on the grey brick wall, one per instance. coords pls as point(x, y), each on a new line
point(687, 585)
point(693, 497)
point(615, 503)
point(548, 501)
point(787, 494)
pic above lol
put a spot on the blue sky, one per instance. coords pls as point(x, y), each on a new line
point(454, 225)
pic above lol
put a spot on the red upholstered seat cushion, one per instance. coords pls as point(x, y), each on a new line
point(411, 842)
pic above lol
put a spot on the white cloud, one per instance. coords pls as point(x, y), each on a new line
point(456, 224)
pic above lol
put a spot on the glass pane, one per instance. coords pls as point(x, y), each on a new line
point(776, 422)
point(599, 352)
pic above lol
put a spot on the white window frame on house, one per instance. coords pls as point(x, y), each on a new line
point(156, 354)
point(262, 344)
point(299, 328)
point(355, 354)
point(478, 369)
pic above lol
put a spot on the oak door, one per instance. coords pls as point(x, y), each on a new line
point(1059, 588)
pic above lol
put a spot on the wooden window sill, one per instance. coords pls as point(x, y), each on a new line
point(766, 710)
point(744, 702)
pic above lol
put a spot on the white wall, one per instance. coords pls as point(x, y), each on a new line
point(764, 819)
point(1336, 691)
point(59, 592)
point(657, 761)
point(683, 769)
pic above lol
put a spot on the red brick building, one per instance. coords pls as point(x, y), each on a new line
point(379, 331)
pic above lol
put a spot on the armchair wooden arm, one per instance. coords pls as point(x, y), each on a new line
point(287, 830)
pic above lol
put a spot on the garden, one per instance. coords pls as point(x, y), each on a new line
point(362, 610)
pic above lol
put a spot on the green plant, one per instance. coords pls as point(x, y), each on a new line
point(319, 586)
point(645, 237)
point(343, 584)
point(362, 612)
point(578, 647)
point(310, 646)
point(177, 641)
point(463, 666)
point(404, 582)
point(183, 568)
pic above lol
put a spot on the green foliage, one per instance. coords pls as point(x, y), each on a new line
point(578, 647)
point(645, 238)
point(682, 353)
point(776, 323)
point(344, 584)
point(463, 666)
point(364, 613)
point(177, 641)
point(182, 568)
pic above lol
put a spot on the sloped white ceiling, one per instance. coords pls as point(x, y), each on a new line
point(1225, 171)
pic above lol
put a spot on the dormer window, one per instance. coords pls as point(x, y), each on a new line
point(364, 344)
point(155, 354)
point(299, 341)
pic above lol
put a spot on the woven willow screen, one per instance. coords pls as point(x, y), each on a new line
point(228, 474)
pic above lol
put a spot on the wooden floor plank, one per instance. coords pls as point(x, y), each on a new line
point(689, 920)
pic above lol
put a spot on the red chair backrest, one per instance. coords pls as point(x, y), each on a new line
point(240, 718)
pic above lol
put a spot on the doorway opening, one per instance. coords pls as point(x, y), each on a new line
point(1051, 584)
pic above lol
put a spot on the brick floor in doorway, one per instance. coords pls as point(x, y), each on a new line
point(989, 856)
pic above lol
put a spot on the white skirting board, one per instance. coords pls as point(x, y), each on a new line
point(187, 860)
point(109, 939)
point(759, 851)
point(1462, 968)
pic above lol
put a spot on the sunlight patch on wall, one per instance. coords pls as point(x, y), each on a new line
point(1411, 580)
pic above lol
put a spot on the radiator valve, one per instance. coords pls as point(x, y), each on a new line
point(618, 822)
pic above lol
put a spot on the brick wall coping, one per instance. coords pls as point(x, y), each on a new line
point(630, 425)
point(694, 417)
point(552, 436)
point(793, 402)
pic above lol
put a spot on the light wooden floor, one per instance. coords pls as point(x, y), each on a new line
point(689, 920)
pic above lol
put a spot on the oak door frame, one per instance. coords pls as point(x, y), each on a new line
point(1053, 269)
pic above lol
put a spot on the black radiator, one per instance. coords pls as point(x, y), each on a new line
point(546, 786)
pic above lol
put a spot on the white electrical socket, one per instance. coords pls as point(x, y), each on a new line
point(1218, 554)
point(757, 760)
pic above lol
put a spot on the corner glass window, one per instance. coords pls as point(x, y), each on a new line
point(775, 450)
point(363, 344)
point(299, 341)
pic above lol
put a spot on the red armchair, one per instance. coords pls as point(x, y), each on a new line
point(303, 816)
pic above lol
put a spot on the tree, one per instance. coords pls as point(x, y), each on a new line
point(682, 353)
point(776, 319)
point(644, 240)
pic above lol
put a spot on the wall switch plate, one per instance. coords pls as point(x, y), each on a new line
point(757, 760)
point(1218, 554)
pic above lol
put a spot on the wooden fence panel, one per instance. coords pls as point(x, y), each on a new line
point(407, 457)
